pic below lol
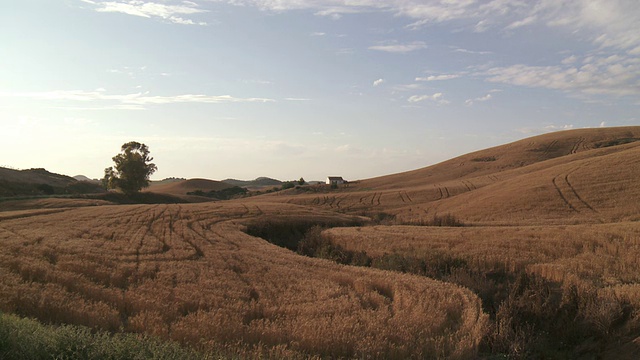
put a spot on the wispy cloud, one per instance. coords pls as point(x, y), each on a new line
point(437, 97)
point(470, 102)
point(130, 101)
point(395, 47)
point(609, 23)
point(466, 51)
point(438, 77)
point(147, 9)
point(378, 82)
point(612, 75)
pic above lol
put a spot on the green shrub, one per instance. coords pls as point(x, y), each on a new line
point(23, 339)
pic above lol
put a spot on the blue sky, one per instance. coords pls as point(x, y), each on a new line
point(289, 88)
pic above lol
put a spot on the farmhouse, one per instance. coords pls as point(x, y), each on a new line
point(335, 180)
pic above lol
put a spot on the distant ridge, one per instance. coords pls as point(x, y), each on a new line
point(42, 182)
point(258, 182)
point(182, 187)
point(575, 176)
point(510, 156)
point(85, 178)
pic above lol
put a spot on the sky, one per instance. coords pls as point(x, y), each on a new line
point(305, 88)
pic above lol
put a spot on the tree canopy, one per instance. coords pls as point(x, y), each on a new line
point(132, 169)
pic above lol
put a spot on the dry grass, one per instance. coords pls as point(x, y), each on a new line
point(605, 254)
point(49, 203)
point(551, 249)
point(183, 187)
point(593, 185)
point(589, 276)
point(189, 273)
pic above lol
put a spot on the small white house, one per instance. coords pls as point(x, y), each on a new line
point(335, 180)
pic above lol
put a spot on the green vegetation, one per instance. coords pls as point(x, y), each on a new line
point(28, 339)
point(224, 194)
point(132, 169)
point(288, 185)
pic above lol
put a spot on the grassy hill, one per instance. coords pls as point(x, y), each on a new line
point(182, 187)
point(587, 175)
point(256, 184)
point(511, 156)
point(34, 182)
point(541, 263)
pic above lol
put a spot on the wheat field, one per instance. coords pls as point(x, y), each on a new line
point(526, 250)
point(189, 273)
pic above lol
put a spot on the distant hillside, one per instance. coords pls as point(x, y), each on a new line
point(182, 187)
point(167, 181)
point(510, 156)
point(41, 182)
point(87, 179)
point(257, 183)
point(576, 176)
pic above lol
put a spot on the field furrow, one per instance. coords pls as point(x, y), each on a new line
point(190, 273)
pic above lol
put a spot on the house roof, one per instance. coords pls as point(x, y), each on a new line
point(335, 178)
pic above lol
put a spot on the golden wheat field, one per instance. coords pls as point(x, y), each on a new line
point(189, 273)
point(526, 250)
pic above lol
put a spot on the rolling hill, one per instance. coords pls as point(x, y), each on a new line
point(258, 183)
point(42, 182)
point(587, 175)
point(543, 266)
point(182, 187)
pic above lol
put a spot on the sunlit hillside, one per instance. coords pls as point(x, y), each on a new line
point(524, 250)
point(588, 175)
point(182, 187)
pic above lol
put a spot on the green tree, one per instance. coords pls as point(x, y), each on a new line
point(301, 181)
point(132, 169)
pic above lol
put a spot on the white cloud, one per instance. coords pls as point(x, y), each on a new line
point(558, 127)
point(470, 102)
point(147, 9)
point(128, 100)
point(378, 82)
point(318, 34)
point(408, 87)
point(466, 51)
point(569, 60)
point(394, 47)
point(438, 77)
point(524, 22)
point(612, 75)
point(608, 23)
point(437, 97)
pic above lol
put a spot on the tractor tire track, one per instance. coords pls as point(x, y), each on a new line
point(466, 184)
point(440, 194)
point(576, 146)
point(551, 145)
point(564, 199)
point(570, 195)
point(575, 193)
